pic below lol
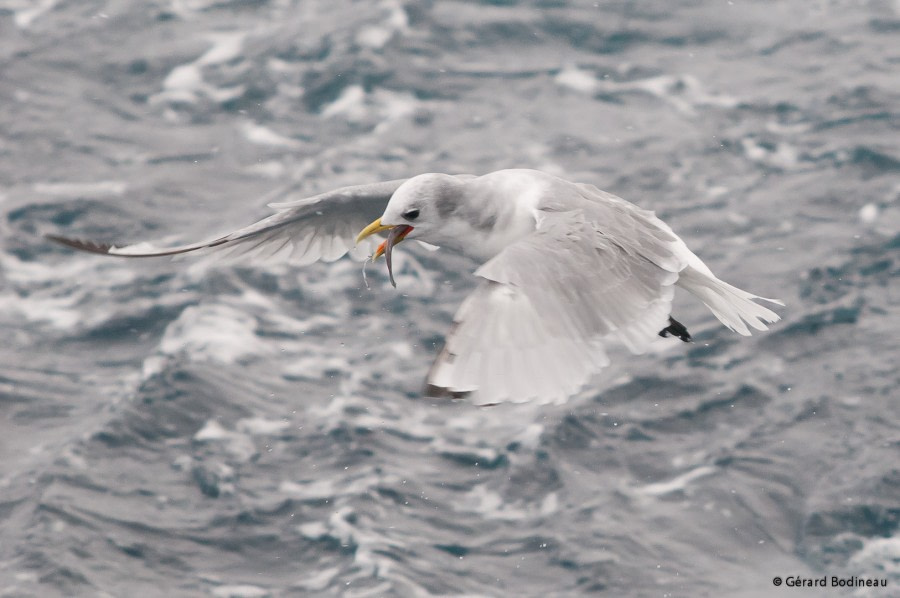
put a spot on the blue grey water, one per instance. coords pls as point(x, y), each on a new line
point(192, 428)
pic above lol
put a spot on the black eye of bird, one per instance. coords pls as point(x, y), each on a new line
point(411, 214)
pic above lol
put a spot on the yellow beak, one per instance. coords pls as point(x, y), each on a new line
point(374, 228)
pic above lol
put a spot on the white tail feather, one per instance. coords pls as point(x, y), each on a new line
point(732, 306)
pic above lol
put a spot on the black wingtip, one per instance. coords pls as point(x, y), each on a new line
point(676, 329)
point(440, 392)
point(89, 246)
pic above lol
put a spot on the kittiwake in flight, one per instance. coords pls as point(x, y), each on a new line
point(566, 271)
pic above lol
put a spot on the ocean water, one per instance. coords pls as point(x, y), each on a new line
point(192, 428)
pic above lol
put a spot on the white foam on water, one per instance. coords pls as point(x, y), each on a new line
point(492, 505)
point(351, 529)
point(240, 591)
point(237, 445)
point(868, 214)
point(414, 421)
point(677, 484)
point(57, 295)
point(313, 490)
point(61, 313)
point(582, 81)
point(210, 332)
point(380, 106)
point(368, 543)
point(783, 155)
point(392, 106)
point(475, 453)
point(683, 92)
point(878, 557)
point(187, 8)
point(376, 36)
point(779, 128)
point(318, 582)
point(73, 190)
point(313, 365)
point(355, 482)
point(272, 169)
point(260, 426)
point(530, 436)
point(349, 104)
point(212, 430)
point(26, 12)
point(185, 82)
point(260, 135)
point(225, 47)
point(314, 530)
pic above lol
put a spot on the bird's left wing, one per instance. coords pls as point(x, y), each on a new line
point(322, 227)
point(536, 326)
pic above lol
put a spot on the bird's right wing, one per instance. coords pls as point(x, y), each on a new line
point(322, 227)
point(537, 325)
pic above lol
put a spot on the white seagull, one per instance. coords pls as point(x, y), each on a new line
point(566, 271)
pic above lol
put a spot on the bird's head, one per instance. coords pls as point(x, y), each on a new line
point(418, 209)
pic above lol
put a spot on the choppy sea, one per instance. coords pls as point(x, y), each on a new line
point(188, 428)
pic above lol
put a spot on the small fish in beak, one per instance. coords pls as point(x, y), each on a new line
point(397, 234)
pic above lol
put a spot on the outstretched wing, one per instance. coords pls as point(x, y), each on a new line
point(322, 227)
point(536, 327)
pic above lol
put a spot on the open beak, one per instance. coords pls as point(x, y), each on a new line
point(397, 234)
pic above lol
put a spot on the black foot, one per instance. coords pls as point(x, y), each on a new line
point(676, 329)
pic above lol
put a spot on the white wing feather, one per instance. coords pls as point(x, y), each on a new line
point(535, 329)
point(322, 227)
